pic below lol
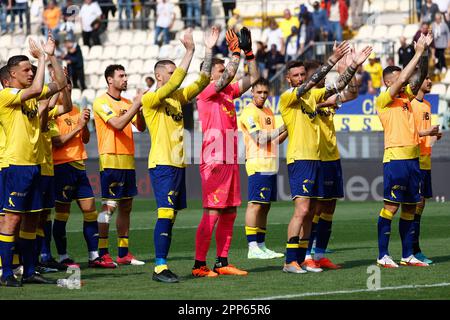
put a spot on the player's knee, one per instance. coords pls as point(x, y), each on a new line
point(104, 217)
point(110, 204)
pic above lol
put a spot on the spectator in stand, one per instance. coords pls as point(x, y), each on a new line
point(228, 7)
point(320, 22)
point(356, 7)
point(235, 22)
point(364, 81)
point(443, 5)
point(147, 6)
point(390, 61)
point(428, 11)
point(106, 6)
point(424, 29)
point(418, 8)
point(193, 13)
point(124, 5)
point(90, 15)
point(306, 37)
point(405, 52)
point(287, 23)
point(75, 64)
point(221, 46)
point(375, 70)
point(165, 17)
point(208, 12)
point(150, 82)
point(441, 37)
point(260, 57)
point(67, 27)
point(274, 61)
point(22, 10)
point(5, 11)
point(292, 47)
point(337, 17)
point(51, 18)
point(273, 35)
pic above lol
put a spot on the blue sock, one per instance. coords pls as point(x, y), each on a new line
point(27, 251)
point(384, 233)
point(261, 235)
point(251, 233)
point(312, 237)
point(292, 249)
point(90, 233)
point(46, 253)
point(38, 244)
point(406, 228)
point(162, 237)
point(59, 234)
point(7, 245)
point(302, 247)
point(323, 233)
point(416, 243)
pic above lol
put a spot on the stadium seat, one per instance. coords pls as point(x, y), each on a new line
point(137, 52)
point(89, 94)
point(103, 66)
point(76, 95)
point(92, 67)
point(380, 32)
point(125, 38)
point(151, 51)
point(447, 94)
point(109, 52)
point(364, 32)
point(166, 52)
point(124, 51)
point(442, 106)
point(16, 51)
point(124, 62)
point(112, 38)
point(84, 51)
point(134, 81)
point(6, 41)
point(148, 65)
point(446, 79)
point(410, 30)
point(178, 51)
point(391, 6)
point(440, 89)
point(395, 31)
point(3, 54)
point(135, 66)
point(377, 6)
point(140, 38)
point(95, 53)
point(129, 94)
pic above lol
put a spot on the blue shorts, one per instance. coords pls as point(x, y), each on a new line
point(169, 186)
point(402, 181)
point(71, 184)
point(333, 184)
point(426, 190)
point(48, 192)
point(118, 184)
point(305, 179)
point(2, 189)
point(262, 187)
point(23, 189)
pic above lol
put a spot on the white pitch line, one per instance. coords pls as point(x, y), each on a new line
point(175, 227)
point(312, 294)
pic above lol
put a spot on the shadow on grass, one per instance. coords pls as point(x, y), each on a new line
point(112, 275)
point(439, 259)
point(358, 263)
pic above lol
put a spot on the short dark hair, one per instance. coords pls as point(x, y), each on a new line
point(109, 71)
point(15, 60)
point(390, 70)
point(260, 82)
point(161, 63)
point(214, 61)
point(294, 64)
point(312, 65)
point(4, 74)
point(150, 79)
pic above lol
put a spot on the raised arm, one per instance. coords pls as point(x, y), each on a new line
point(421, 73)
point(120, 122)
point(345, 78)
point(262, 137)
point(232, 66)
point(338, 52)
point(60, 141)
point(245, 43)
point(35, 89)
point(408, 71)
point(43, 114)
point(60, 77)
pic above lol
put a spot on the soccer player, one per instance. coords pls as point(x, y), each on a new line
point(401, 154)
point(298, 109)
point(428, 135)
point(113, 116)
point(164, 117)
point(23, 194)
point(330, 165)
point(70, 133)
point(219, 170)
point(261, 141)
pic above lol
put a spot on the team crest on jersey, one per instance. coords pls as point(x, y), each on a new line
point(251, 122)
point(176, 116)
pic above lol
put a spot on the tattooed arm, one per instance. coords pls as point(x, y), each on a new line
point(416, 80)
point(349, 94)
point(253, 76)
point(228, 74)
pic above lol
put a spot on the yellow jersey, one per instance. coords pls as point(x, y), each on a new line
point(376, 74)
point(20, 121)
point(401, 138)
point(115, 147)
point(328, 149)
point(286, 26)
point(3, 164)
point(46, 144)
point(422, 117)
point(302, 123)
point(259, 158)
point(164, 119)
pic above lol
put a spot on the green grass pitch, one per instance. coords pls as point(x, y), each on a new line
point(353, 240)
